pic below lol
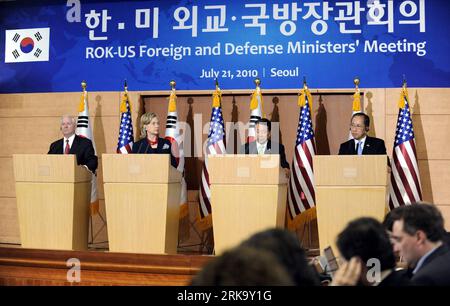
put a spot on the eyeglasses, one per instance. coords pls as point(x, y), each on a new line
point(357, 126)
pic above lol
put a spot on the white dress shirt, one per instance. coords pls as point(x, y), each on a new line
point(261, 147)
point(362, 141)
point(71, 138)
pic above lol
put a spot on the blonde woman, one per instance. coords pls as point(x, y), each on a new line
point(150, 142)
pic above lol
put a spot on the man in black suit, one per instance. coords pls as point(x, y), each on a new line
point(263, 144)
point(362, 144)
point(73, 144)
point(366, 239)
point(418, 235)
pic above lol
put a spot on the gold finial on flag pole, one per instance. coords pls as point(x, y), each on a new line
point(257, 82)
point(172, 97)
point(83, 85)
point(173, 84)
point(403, 94)
point(217, 95)
point(303, 94)
point(123, 104)
point(356, 82)
point(356, 96)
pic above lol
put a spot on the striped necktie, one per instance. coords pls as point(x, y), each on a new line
point(67, 148)
point(359, 148)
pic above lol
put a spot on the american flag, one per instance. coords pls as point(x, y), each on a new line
point(215, 145)
point(84, 129)
point(405, 180)
point(301, 185)
point(126, 138)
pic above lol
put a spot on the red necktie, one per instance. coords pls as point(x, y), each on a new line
point(67, 148)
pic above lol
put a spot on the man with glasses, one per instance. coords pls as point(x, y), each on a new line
point(362, 144)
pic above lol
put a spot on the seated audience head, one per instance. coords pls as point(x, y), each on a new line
point(263, 128)
point(149, 125)
point(366, 238)
point(419, 229)
point(285, 246)
point(243, 266)
point(391, 217)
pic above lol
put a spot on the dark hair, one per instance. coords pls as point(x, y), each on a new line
point(366, 118)
point(285, 246)
point(264, 121)
point(392, 216)
point(366, 238)
point(243, 266)
point(423, 217)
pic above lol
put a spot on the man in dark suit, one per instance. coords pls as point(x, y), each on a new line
point(418, 236)
point(366, 239)
point(362, 144)
point(73, 144)
point(263, 144)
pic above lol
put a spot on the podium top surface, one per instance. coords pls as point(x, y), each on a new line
point(139, 168)
point(350, 170)
point(246, 169)
point(49, 168)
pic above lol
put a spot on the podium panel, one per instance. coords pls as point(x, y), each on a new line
point(248, 195)
point(142, 200)
point(348, 187)
point(53, 197)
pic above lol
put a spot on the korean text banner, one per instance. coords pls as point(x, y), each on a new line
point(51, 46)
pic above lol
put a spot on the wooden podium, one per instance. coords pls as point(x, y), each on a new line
point(53, 198)
point(142, 200)
point(248, 195)
point(348, 187)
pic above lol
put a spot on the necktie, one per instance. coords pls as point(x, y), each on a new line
point(260, 150)
point(67, 148)
point(359, 148)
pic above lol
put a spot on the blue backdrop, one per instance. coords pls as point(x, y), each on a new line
point(151, 42)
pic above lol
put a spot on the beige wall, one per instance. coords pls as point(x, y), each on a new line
point(30, 122)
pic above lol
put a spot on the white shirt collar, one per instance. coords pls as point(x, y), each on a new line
point(71, 138)
point(423, 258)
point(261, 145)
point(363, 141)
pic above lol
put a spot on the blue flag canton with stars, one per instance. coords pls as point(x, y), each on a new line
point(126, 129)
point(216, 129)
point(305, 129)
point(405, 131)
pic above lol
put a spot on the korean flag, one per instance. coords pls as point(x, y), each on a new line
point(27, 45)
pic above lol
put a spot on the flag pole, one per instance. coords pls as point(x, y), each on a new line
point(257, 82)
point(356, 81)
